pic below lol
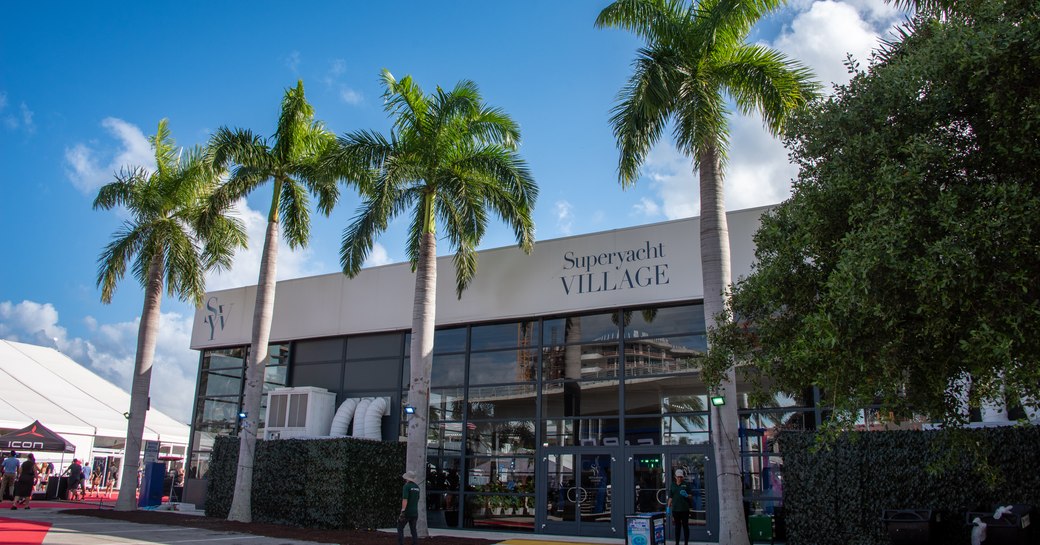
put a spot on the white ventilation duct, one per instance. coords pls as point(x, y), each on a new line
point(359, 422)
point(373, 419)
point(345, 413)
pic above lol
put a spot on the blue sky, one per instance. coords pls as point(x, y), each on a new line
point(83, 84)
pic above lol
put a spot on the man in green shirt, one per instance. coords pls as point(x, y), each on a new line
point(409, 508)
point(679, 495)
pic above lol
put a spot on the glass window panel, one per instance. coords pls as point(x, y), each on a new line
point(449, 340)
point(579, 329)
point(278, 353)
point(443, 473)
point(277, 375)
point(581, 431)
point(219, 415)
point(662, 355)
point(374, 346)
point(319, 350)
point(687, 429)
point(762, 474)
point(448, 370)
point(224, 358)
point(516, 334)
point(674, 394)
point(445, 403)
point(579, 398)
point(587, 361)
point(321, 375)
point(227, 382)
point(502, 366)
point(749, 399)
point(370, 374)
point(501, 438)
point(502, 401)
point(444, 438)
point(199, 468)
point(664, 321)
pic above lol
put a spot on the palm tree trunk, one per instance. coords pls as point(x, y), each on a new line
point(715, 266)
point(256, 362)
point(424, 313)
point(147, 334)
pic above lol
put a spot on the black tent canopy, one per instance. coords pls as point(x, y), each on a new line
point(35, 437)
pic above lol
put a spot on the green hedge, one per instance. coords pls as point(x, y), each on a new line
point(835, 494)
point(316, 483)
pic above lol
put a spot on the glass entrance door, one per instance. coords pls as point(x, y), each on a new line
point(652, 471)
point(580, 498)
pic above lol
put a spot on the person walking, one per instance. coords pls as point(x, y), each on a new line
point(679, 496)
point(23, 487)
point(75, 473)
point(10, 468)
point(409, 508)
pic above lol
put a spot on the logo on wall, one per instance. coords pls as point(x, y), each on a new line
point(612, 271)
point(216, 316)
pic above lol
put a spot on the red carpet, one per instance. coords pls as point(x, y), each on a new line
point(20, 532)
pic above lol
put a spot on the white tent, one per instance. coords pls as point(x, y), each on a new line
point(39, 383)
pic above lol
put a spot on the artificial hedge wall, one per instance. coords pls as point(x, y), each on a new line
point(835, 491)
point(316, 483)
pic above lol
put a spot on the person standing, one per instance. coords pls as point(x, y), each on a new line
point(409, 508)
point(84, 482)
point(10, 467)
point(75, 473)
point(679, 495)
point(23, 487)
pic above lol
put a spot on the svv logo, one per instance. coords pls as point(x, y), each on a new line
point(216, 316)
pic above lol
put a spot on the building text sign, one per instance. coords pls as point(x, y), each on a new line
point(637, 267)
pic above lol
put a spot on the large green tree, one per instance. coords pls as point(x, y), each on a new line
point(174, 233)
point(450, 160)
point(695, 62)
point(289, 160)
point(903, 270)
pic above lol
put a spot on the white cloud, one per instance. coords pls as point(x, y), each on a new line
point(647, 207)
point(822, 36)
point(378, 256)
point(672, 178)
point(246, 269)
point(111, 348)
point(27, 118)
point(350, 96)
point(84, 168)
point(564, 217)
point(292, 61)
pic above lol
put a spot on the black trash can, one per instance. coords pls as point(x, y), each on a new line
point(909, 526)
point(1014, 528)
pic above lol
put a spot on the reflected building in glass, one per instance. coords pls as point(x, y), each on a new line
point(565, 387)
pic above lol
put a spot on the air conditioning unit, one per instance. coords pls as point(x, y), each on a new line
point(303, 411)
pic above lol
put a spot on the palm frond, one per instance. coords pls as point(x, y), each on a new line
point(764, 81)
point(112, 263)
point(238, 146)
point(294, 208)
point(294, 126)
point(121, 192)
point(644, 107)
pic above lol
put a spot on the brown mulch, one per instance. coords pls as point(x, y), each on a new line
point(343, 537)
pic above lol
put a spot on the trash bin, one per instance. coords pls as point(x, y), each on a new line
point(1012, 528)
point(645, 529)
point(909, 526)
point(760, 528)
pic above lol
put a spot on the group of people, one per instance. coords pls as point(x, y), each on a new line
point(21, 478)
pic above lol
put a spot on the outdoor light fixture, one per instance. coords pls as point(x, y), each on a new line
point(408, 409)
point(718, 400)
point(242, 415)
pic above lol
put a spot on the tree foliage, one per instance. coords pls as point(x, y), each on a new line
point(907, 256)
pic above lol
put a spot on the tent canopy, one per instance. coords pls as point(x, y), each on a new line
point(36, 437)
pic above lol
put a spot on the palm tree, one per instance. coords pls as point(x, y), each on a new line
point(174, 235)
point(289, 159)
point(450, 159)
point(694, 60)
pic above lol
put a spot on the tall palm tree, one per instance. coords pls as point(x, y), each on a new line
point(174, 235)
point(290, 160)
point(696, 59)
point(450, 159)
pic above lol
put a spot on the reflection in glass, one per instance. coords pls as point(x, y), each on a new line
point(574, 362)
point(650, 485)
point(227, 382)
point(502, 401)
point(655, 321)
point(445, 438)
point(448, 370)
point(579, 329)
point(225, 358)
point(502, 366)
point(275, 375)
point(662, 355)
point(445, 403)
point(581, 431)
point(674, 394)
point(501, 438)
point(511, 335)
point(692, 466)
point(580, 398)
point(448, 340)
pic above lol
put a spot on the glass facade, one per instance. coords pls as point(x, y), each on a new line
point(554, 424)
